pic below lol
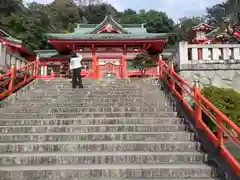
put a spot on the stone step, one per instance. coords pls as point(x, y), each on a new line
point(90, 89)
point(125, 98)
point(89, 95)
point(99, 146)
point(94, 104)
point(94, 128)
point(82, 100)
point(93, 89)
point(91, 86)
point(89, 171)
point(88, 86)
point(98, 92)
point(74, 105)
point(151, 179)
point(81, 108)
point(85, 115)
point(53, 109)
point(98, 136)
point(102, 158)
point(85, 121)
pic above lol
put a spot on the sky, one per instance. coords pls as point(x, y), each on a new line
point(175, 9)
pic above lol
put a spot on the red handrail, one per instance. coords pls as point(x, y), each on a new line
point(202, 104)
point(16, 78)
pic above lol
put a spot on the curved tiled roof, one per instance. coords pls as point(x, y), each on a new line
point(107, 36)
point(109, 19)
point(89, 31)
point(9, 38)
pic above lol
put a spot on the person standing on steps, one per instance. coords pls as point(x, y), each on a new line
point(75, 66)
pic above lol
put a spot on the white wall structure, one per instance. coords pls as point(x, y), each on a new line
point(8, 59)
point(212, 64)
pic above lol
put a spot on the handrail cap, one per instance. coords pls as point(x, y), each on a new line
point(196, 83)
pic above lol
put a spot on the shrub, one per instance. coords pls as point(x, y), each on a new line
point(227, 100)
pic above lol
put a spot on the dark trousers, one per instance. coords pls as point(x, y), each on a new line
point(76, 78)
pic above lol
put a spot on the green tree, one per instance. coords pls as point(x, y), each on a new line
point(185, 25)
point(96, 13)
point(155, 21)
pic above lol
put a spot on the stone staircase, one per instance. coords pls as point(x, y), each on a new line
point(112, 130)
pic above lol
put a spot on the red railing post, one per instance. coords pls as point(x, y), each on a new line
point(171, 71)
point(12, 79)
point(182, 90)
point(36, 67)
point(160, 66)
point(26, 74)
point(219, 130)
point(198, 111)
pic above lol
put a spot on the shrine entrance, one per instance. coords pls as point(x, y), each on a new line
point(109, 70)
point(109, 75)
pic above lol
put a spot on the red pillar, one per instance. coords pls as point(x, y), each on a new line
point(123, 67)
point(93, 50)
point(124, 62)
point(159, 73)
point(199, 53)
point(95, 68)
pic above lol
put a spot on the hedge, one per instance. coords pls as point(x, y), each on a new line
point(227, 100)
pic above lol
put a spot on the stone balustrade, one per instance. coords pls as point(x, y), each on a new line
point(7, 59)
point(206, 53)
point(212, 64)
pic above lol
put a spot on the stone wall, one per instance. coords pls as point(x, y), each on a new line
point(226, 75)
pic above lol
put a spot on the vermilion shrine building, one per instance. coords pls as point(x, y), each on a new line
point(113, 45)
point(13, 52)
point(206, 34)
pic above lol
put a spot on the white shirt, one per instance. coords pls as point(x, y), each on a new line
point(75, 62)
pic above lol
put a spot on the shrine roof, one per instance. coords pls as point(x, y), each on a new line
point(202, 26)
point(50, 53)
point(213, 33)
point(167, 53)
point(113, 28)
point(108, 36)
point(108, 20)
point(123, 25)
point(14, 42)
point(9, 38)
point(46, 53)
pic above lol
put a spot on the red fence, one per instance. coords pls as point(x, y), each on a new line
point(17, 78)
point(181, 88)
